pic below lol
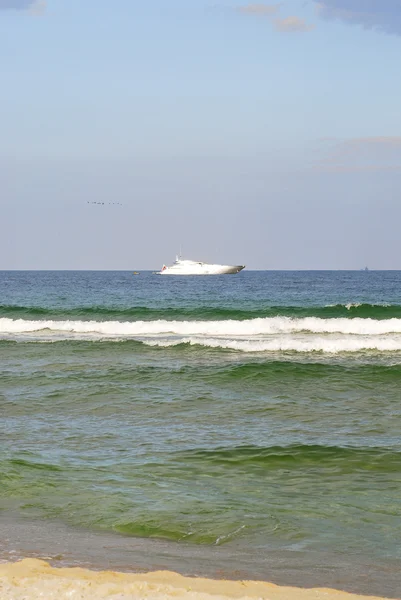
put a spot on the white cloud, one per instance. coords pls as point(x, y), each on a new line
point(286, 24)
point(292, 24)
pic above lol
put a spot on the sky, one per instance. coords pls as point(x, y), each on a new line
point(265, 134)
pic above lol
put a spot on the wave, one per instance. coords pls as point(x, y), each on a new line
point(347, 310)
point(248, 328)
point(330, 346)
point(293, 456)
point(337, 458)
point(274, 334)
point(279, 369)
point(22, 464)
point(225, 483)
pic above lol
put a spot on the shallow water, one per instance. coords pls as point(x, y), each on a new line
point(255, 415)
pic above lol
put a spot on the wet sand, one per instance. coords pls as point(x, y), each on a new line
point(31, 579)
point(65, 547)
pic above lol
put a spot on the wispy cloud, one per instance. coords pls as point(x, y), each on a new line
point(382, 153)
point(383, 15)
point(286, 24)
point(36, 7)
point(291, 24)
point(260, 10)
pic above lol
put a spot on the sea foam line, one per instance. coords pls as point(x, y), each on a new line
point(276, 334)
point(333, 345)
point(250, 327)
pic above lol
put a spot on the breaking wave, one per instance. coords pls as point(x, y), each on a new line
point(332, 346)
point(250, 327)
point(270, 334)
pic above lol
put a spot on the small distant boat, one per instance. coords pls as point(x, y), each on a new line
point(192, 267)
point(136, 273)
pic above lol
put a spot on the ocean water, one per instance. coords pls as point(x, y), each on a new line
point(245, 425)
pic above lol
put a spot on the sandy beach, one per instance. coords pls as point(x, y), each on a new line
point(30, 579)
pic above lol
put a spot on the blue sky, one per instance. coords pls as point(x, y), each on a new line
point(266, 134)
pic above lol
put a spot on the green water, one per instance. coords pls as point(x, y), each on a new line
point(260, 411)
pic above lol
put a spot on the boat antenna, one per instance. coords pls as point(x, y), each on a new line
point(180, 251)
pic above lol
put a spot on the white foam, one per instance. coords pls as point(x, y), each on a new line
point(275, 334)
point(250, 327)
point(331, 345)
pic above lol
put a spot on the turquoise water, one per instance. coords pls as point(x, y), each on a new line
point(259, 412)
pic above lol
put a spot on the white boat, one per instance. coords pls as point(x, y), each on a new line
point(193, 267)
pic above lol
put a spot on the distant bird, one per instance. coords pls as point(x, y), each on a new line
point(103, 203)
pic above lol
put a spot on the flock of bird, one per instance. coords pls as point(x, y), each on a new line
point(105, 203)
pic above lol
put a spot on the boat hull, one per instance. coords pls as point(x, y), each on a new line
point(202, 269)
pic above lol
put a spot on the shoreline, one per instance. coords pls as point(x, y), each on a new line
point(67, 547)
point(33, 578)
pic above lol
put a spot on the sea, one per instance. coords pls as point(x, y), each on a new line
point(240, 426)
